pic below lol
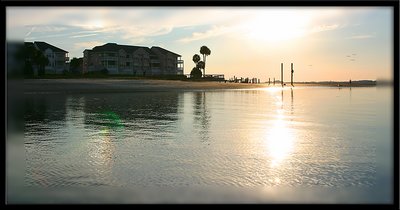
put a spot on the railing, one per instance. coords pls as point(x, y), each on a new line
point(211, 76)
point(218, 76)
point(108, 58)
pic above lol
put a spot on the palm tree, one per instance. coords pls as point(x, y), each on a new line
point(205, 51)
point(200, 65)
point(196, 58)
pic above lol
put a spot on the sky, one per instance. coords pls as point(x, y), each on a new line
point(323, 43)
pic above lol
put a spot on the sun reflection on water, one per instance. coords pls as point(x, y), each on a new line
point(279, 142)
point(279, 139)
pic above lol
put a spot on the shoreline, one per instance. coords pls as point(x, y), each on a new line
point(123, 85)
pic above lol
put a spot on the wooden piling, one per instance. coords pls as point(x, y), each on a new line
point(291, 79)
point(282, 74)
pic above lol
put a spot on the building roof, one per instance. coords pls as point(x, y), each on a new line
point(43, 46)
point(113, 47)
point(164, 51)
point(27, 44)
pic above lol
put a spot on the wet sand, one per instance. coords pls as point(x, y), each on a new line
point(123, 85)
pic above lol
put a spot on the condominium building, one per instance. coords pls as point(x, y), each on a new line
point(132, 60)
point(57, 57)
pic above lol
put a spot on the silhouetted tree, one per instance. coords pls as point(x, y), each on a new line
point(205, 51)
point(200, 65)
point(33, 56)
point(195, 73)
point(196, 58)
point(41, 61)
point(75, 65)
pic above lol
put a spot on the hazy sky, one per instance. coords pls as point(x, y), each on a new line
point(324, 43)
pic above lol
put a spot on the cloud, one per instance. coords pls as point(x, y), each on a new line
point(79, 47)
point(48, 28)
point(140, 40)
point(127, 22)
point(213, 32)
point(84, 35)
point(322, 28)
point(86, 45)
point(145, 25)
point(144, 31)
point(29, 33)
point(361, 37)
point(47, 36)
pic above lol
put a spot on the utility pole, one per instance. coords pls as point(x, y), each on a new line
point(269, 81)
point(282, 74)
point(291, 81)
point(274, 80)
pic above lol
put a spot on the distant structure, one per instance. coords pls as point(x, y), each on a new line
point(57, 57)
point(274, 80)
point(282, 74)
point(132, 60)
point(291, 79)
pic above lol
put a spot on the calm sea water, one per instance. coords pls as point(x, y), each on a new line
point(300, 145)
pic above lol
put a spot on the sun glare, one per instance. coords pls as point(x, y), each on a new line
point(279, 139)
point(95, 24)
point(279, 142)
point(275, 27)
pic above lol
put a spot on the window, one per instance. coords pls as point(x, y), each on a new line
point(128, 63)
point(127, 56)
point(111, 63)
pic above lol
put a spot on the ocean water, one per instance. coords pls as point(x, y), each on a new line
point(271, 145)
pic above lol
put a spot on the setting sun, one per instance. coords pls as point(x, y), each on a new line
point(95, 24)
point(275, 27)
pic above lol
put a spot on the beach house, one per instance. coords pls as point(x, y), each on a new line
point(57, 57)
point(132, 60)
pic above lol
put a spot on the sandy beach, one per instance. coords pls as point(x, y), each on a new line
point(123, 85)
